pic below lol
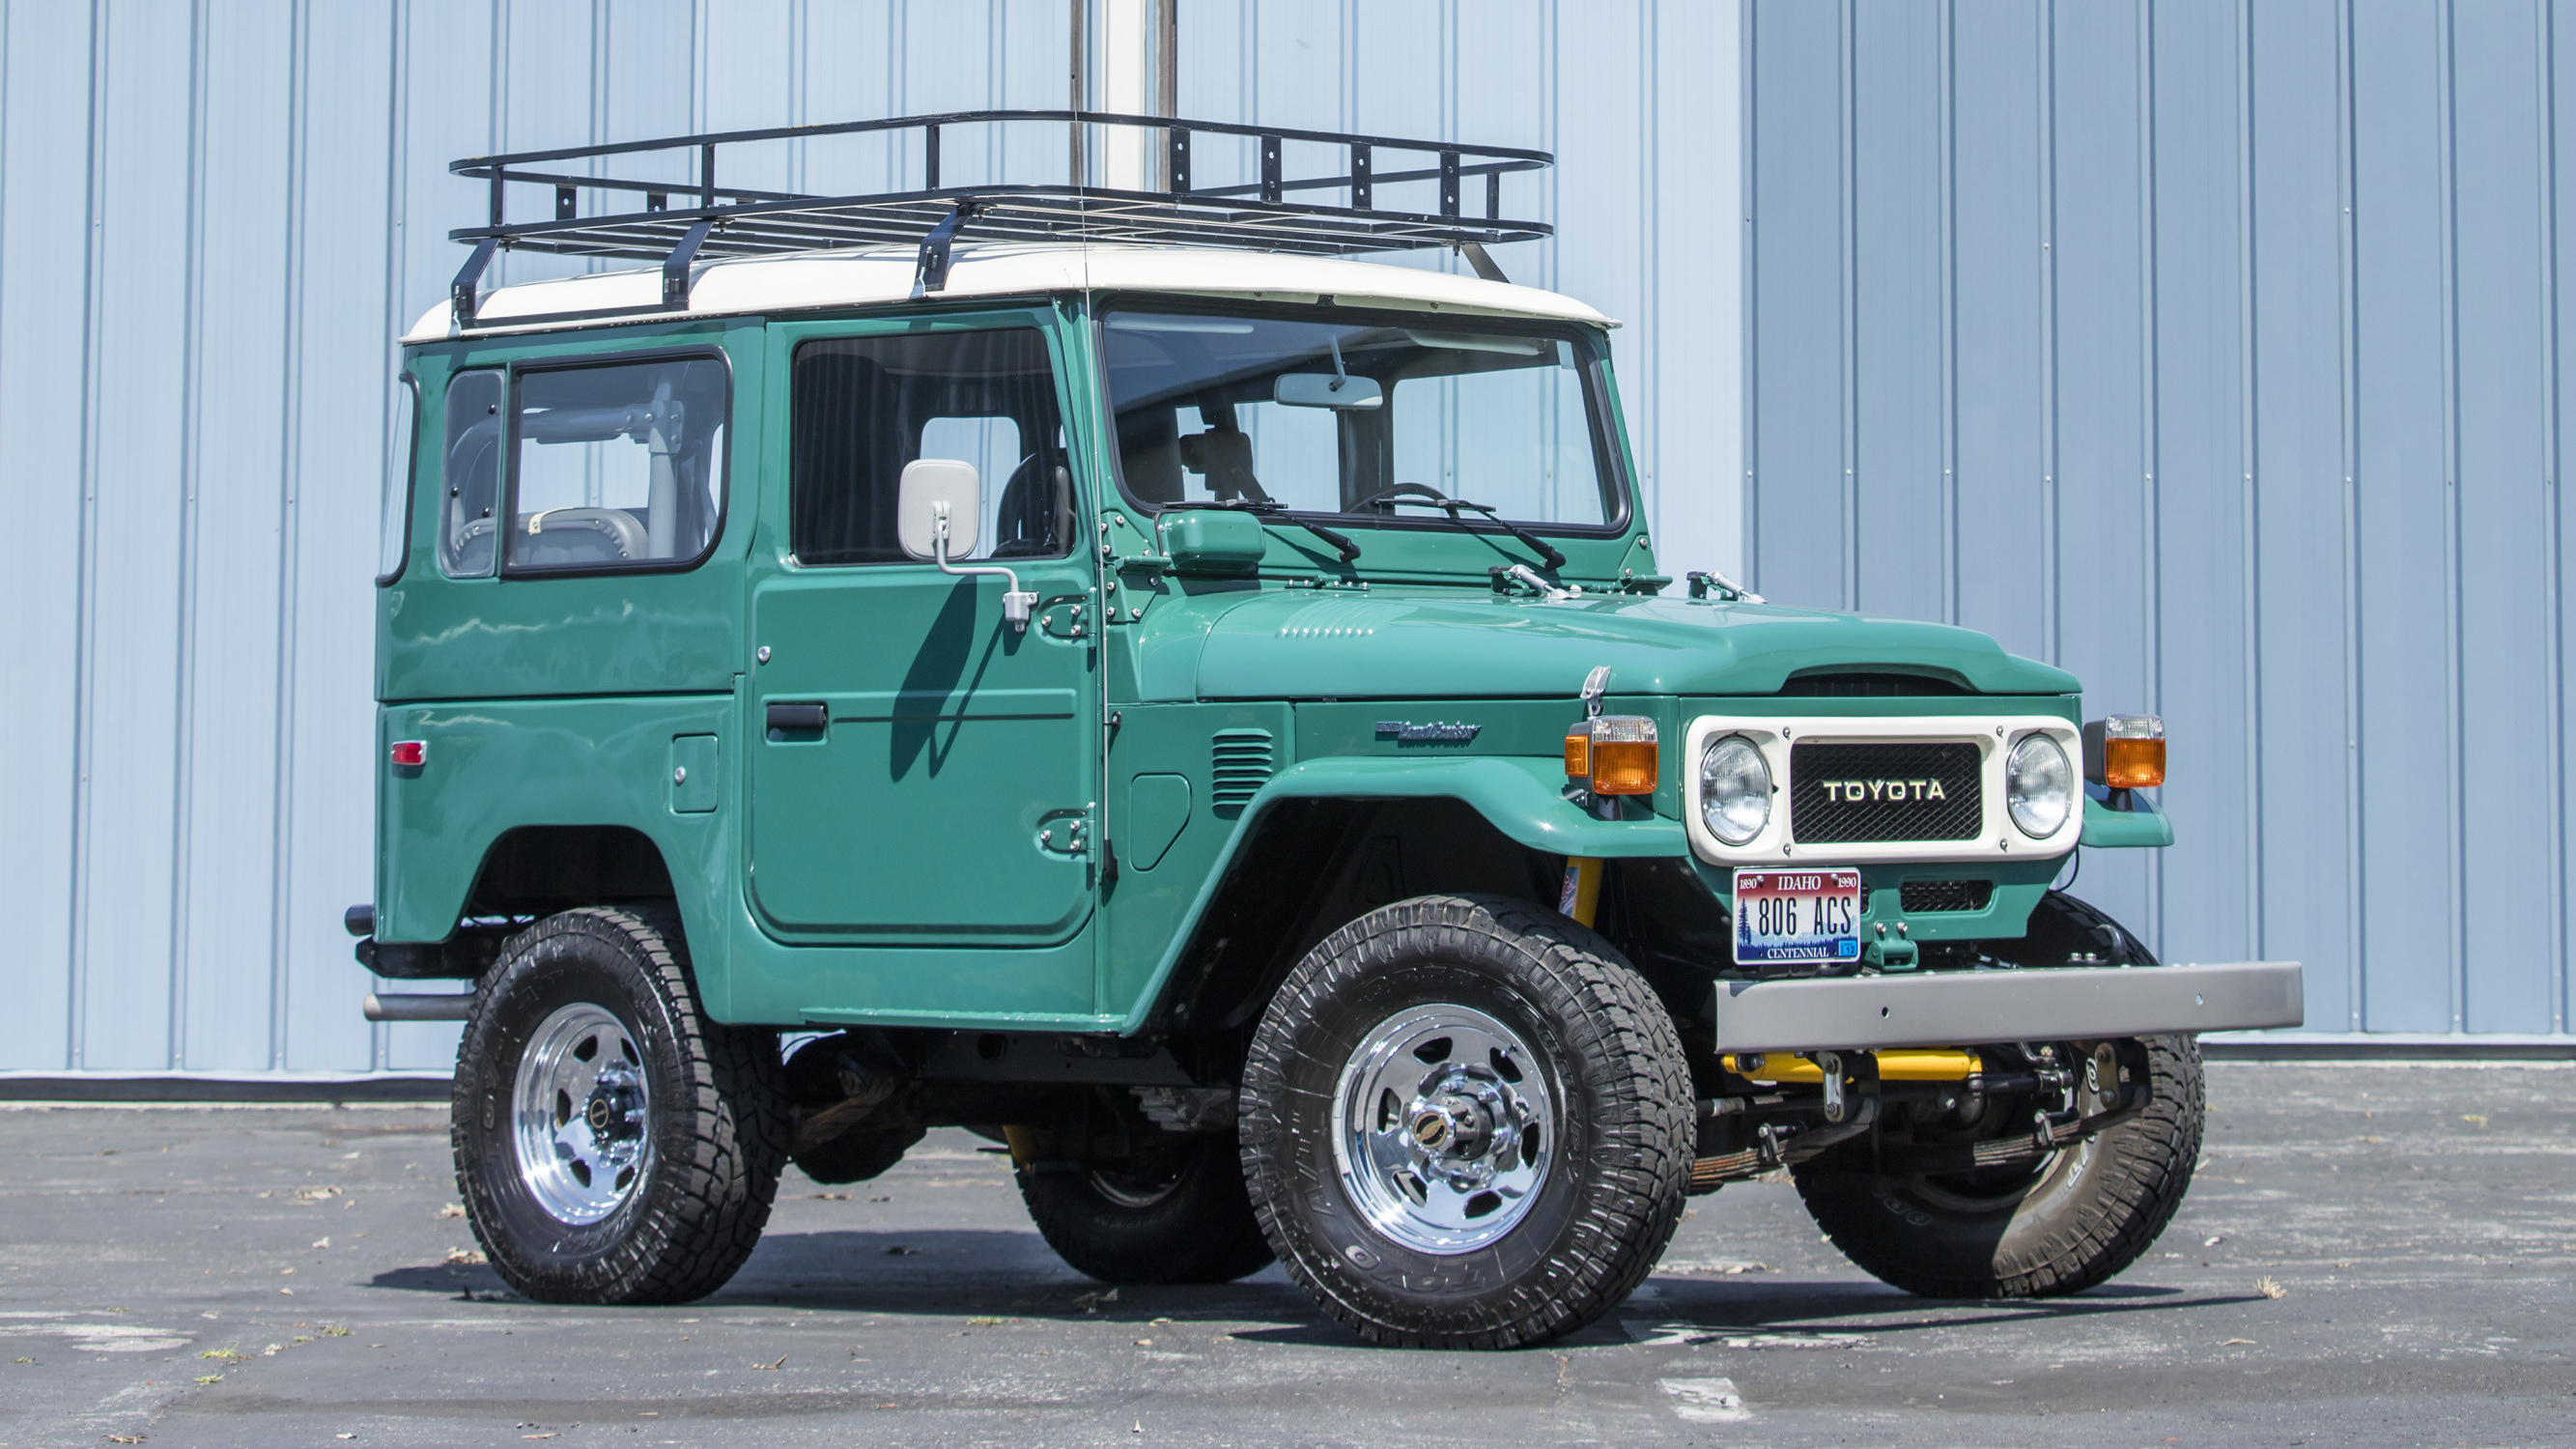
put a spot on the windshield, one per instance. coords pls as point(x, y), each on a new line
point(1351, 414)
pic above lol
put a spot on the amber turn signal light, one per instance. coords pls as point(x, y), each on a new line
point(1612, 754)
point(2125, 752)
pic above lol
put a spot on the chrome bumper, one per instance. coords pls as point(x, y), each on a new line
point(1963, 1008)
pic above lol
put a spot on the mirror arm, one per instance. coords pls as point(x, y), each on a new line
point(1017, 604)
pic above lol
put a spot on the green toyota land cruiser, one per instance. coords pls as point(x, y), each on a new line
point(1105, 669)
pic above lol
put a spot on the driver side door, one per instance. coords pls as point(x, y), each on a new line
point(922, 772)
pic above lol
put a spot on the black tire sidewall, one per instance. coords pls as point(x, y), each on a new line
point(1321, 1207)
point(2095, 1210)
point(1201, 1231)
point(1561, 1264)
point(537, 1253)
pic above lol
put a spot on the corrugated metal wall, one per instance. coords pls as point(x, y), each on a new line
point(213, 217)
point(2210, 350)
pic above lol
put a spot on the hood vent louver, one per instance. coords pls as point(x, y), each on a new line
point(1243, 760)
point(1868, 685)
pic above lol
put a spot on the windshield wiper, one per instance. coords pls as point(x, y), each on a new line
point(1264, 507)
point(1424, 493)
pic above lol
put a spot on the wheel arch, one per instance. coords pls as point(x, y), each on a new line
point(1361, 833)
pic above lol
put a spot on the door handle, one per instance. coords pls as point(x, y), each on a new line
point(797, 718)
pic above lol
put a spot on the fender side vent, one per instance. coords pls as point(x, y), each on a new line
point(1243, 762)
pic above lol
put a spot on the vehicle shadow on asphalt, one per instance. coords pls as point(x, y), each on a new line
point(1011, 1274)
point(1874, 1308)
point(934, 1273)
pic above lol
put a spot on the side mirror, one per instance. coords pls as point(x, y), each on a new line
point(933, 489)
point(1340, 391)
point(936, 509)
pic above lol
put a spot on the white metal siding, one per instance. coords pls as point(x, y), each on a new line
point(214, 216)
point(2211, 351)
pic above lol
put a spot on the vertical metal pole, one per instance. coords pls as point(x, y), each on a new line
point(1074, 78)
point(1167, 57)
point(930, 158)
point(1167, 89)
point(707, 176)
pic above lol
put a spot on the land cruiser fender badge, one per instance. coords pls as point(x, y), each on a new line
point(1404, 730)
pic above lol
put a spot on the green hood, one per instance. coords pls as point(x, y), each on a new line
point(1306, 645)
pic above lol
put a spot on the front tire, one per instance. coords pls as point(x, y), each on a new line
point(1466, 1124)
point(612, 1144)
point(2079, 1216)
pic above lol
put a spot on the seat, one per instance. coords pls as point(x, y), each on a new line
point(559, 537)
point(1224, 457)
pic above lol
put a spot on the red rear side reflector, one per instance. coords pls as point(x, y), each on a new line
point(410, 754)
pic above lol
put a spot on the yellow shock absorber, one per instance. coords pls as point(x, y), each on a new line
point(1913, 1064)
point(1582, 893)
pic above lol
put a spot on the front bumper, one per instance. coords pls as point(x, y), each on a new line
point(1962, 1008)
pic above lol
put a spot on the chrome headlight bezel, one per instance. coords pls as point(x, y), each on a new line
point(1743, 777)
point(2039, 785)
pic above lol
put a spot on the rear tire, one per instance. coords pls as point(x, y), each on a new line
point(2080, 1216)
point(1467, 1124)
point(1174, 1214)
point(612, 1144)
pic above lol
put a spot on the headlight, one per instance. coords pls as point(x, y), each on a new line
point(2039, 785)
point(1734, 789)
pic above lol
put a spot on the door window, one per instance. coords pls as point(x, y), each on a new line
point(619, 465)
point(863, 407)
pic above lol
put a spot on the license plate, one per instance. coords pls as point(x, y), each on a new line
point(1797, 915)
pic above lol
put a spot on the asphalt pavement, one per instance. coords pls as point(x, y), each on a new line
point(2372, 1253)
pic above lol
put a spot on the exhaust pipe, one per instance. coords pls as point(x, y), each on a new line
point(419, 1006)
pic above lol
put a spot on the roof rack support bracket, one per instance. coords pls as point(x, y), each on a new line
point(1176, 160)
point(1448, 183)
point(1270, 178)
point(1363, 177)
point(930, 274)
point(1482, 260)
point(675, 267)
point(469, 280)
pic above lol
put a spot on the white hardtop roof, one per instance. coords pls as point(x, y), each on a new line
point(876, 276)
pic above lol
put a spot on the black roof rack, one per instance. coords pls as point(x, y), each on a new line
point(716, 220)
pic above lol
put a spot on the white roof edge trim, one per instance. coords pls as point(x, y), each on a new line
point(882, 276)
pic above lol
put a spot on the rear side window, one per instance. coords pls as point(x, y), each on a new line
point(866, 406)
point(618, 465)
point(469, 475)
point(402, 451)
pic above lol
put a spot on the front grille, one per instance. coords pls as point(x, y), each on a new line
point(1840, 792)
point(1240, 766)
point(1921, 897)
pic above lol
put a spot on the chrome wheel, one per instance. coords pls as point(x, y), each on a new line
point(1443, 1128)
point(580, 1114)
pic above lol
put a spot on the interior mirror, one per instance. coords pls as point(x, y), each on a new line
point(1342, 390)
point(933, 488)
